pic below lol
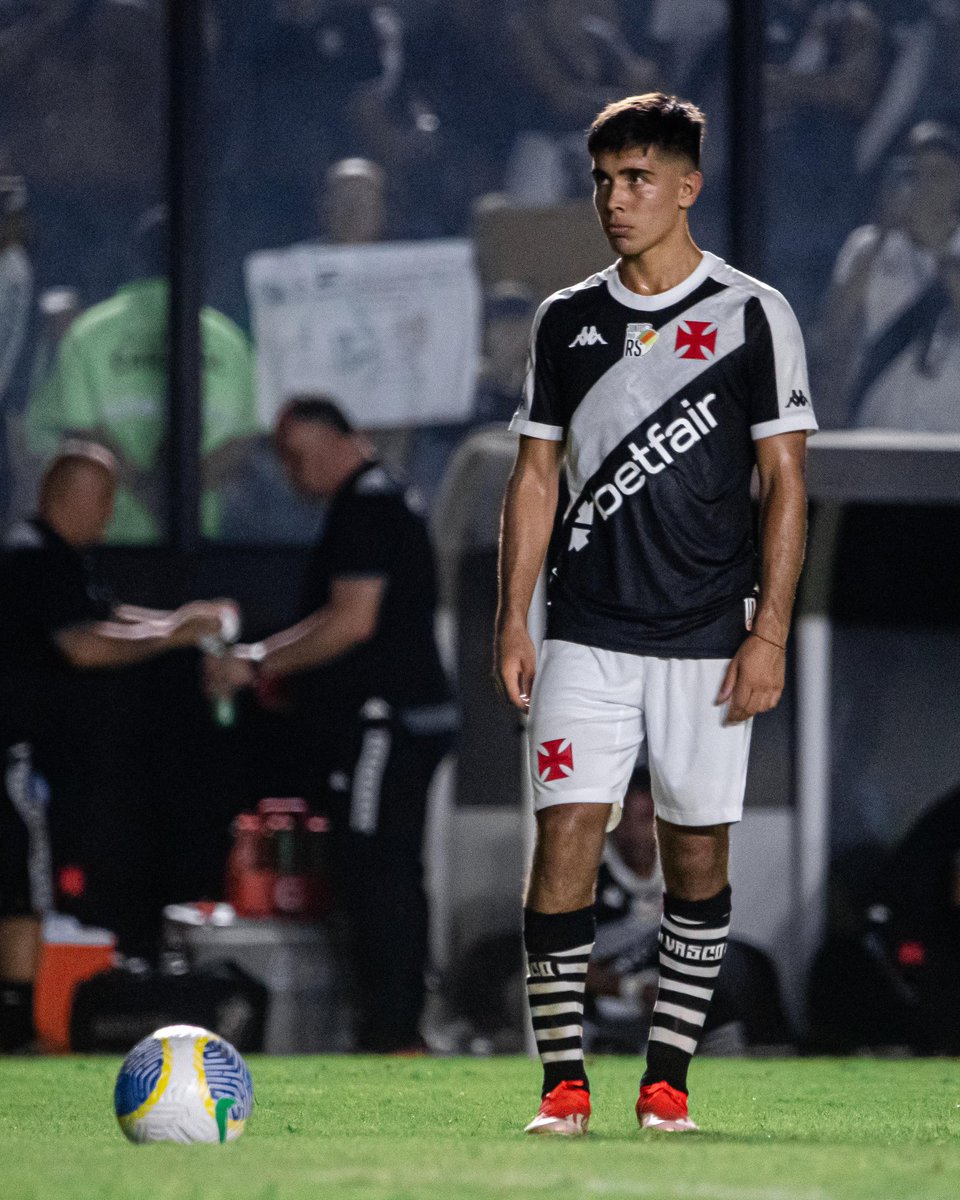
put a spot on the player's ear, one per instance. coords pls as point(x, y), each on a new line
point(690, 186)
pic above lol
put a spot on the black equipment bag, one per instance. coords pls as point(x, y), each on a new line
point(114, 1009)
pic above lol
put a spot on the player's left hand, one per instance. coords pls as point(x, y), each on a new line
point(753, 682)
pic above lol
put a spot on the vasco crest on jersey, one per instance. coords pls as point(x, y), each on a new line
point(640, 339)
point(696, 339)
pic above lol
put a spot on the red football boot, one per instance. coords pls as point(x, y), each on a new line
point(565, 1110)
point(664, 1108)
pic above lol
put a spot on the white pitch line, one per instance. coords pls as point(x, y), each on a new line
point(501, 1183)
point(699, 1191)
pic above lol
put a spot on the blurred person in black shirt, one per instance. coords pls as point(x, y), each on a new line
point(370, 701)
point(58, 621)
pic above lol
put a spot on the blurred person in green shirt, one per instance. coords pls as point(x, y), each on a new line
point(109, 382)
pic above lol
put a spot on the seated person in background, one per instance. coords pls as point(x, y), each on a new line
point(910, 376)
point(886, 265)
point(56, 620)
point(109, 382)
point(623, 972)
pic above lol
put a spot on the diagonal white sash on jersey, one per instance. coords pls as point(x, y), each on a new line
point(635, 388)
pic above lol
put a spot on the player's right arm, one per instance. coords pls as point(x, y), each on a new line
point(526, 524)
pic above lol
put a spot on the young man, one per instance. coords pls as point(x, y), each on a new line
point(657, 385)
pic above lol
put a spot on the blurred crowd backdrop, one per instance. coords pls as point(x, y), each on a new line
point(382, 193)
point(333, 124)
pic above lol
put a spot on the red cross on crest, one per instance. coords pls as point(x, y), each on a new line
point(696, 339)
point(555, 759)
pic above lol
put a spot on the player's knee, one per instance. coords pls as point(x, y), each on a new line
point(694, 859)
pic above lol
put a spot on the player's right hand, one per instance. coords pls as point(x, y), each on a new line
point(515, 665)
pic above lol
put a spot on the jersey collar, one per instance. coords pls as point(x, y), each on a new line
point(623, 295)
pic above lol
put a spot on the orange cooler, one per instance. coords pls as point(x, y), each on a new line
point(70, 954)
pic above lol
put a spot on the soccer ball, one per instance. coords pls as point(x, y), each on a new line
point(183, 1084)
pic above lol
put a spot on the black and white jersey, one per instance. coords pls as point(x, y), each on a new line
point(659, 400)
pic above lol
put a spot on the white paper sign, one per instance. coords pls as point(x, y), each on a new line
point(391, 331)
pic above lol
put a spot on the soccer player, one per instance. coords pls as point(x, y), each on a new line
point(657, 386)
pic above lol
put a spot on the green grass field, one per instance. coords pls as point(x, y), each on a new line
point(449, 1129)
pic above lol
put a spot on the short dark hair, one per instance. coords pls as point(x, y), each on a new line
point(673, 125)
point(319, 410)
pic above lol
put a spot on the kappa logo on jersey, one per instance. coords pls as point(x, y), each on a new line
point(680, 435)
point(696, 339)
point(555, 759)
point(587, 336)
point(797, 400)
point(640, 339)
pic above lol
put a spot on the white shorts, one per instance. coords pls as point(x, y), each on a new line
point(591, 711)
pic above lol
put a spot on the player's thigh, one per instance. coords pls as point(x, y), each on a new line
point(585, 726)
point(566, 857)
point(698, 765)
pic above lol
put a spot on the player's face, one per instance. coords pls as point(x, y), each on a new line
point(640, 195)
point(310, 452)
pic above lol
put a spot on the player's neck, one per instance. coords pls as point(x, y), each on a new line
point(662, 267)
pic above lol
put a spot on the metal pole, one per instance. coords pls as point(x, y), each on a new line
point(186, 190)
point(746, 151)
point(814, 655)
point(814, 637)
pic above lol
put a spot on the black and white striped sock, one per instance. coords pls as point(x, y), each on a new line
point(693, 940)
point(558, 949)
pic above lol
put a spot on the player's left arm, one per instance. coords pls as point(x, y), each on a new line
point(348, 619)
point(754, 679)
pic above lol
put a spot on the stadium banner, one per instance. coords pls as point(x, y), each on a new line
point(391, 331)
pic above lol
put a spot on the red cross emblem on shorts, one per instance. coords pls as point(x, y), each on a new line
point(696, 339)
point(555, 759)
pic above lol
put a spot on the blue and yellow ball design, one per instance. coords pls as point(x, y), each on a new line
point(183, 1084)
